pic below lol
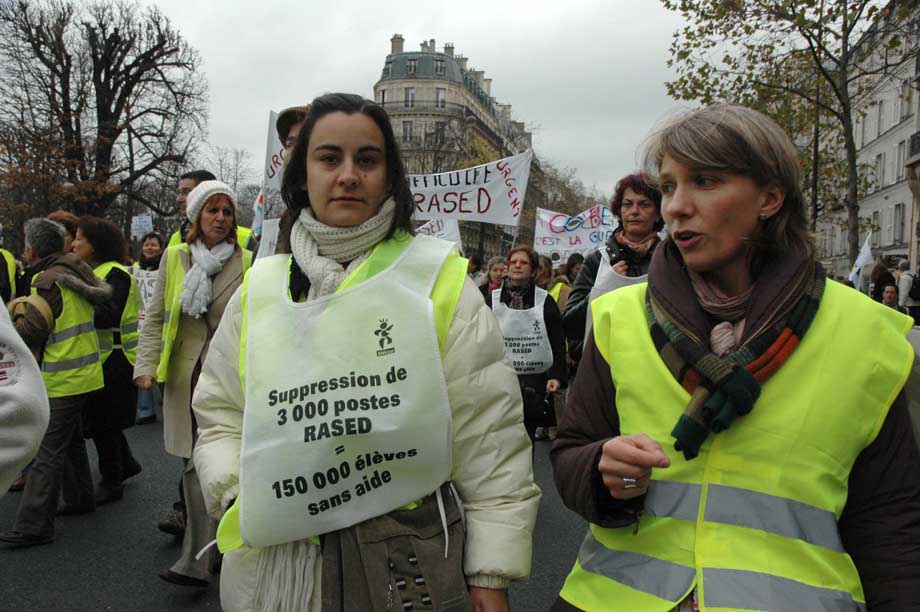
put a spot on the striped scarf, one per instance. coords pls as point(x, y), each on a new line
point(723, 388)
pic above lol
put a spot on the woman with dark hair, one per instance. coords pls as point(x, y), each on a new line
point(561, 286)
point(356, 402)
point(738, 435)
point(880, 278)
point(624, 261)
point(195, 282)
point(103, 247)
point(532, 330)
point(144, 269)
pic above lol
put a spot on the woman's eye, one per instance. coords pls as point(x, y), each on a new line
point(667, 187)
point(367, 161)
point(328, 159)
point(704, 181)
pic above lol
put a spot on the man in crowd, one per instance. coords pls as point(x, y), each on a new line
point(905, 282)
point(288, 125)
point(56, 323)
point(890, 297)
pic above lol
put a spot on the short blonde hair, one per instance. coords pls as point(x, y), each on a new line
point(738, 140)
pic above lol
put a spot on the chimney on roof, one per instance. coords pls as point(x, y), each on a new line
point(477, 75)
point(462, 61)
point(487, 86)
point(449, 49)
point(396, 44)
point(424, 46)
point(431, 47)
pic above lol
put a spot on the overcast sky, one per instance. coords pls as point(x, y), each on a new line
point(587, 76)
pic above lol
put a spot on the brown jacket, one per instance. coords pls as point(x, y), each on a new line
point(189, 350)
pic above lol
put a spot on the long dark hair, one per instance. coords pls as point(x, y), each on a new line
point(108, 242)
point(293, 183)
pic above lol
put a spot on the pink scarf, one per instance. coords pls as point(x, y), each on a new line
point(725, 337)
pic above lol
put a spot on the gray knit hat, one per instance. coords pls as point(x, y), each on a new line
point(200, 194)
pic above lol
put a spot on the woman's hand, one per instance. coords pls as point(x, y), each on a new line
point(489, 600)
point(626, 464)
point(621, 268)
point(144, 383)
point(552, 385)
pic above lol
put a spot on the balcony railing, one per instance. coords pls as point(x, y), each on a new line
point(434, 106)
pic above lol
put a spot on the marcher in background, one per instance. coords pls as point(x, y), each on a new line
point(737, 435)
point(188, 182)
point(111, 409)
point(561, 286)
point(196, 280)
point(56, 323)
point(69, 222)
point(355, 262)
point(475, 269)
point(544, 272)
point(497, 269)
point(905, 283)
point(288, 126)
point(890, 298)
point(528, 316)
point(24, 411)
point(152, 245)
point(8, 274)
point(624, 261)
point(881, 277)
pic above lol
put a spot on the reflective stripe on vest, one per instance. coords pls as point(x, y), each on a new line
point(70, 362)
point(128, 330)
point(10, 262)
point(444, 295)
point(752, 521)
point(172, 312)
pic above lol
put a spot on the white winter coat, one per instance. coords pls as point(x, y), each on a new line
point(492, 470)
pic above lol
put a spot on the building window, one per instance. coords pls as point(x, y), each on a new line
point(876, 227)
point(440, 98)
point(407, 131)
point(863, 130)
point(904, 100)
point(898, 224)
point(880, 118)
point(387, 68)
point(440, 127)
point(412, 66)
point(900, 171)
point(383, 97)
point(879, 170)
point(439, 67)
point(410, 97)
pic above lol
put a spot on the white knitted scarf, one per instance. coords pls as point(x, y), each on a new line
point(320, 250)
point(289, 576)
point(196, 288)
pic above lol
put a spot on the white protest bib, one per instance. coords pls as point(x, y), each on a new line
point(606, 281)
point(347, 415)
point(526, 341)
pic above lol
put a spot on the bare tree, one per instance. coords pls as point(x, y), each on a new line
point(231, 165)
point(110, 90)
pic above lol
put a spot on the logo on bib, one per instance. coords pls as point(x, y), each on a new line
point(9, 366)
point(383, 335)
point(536, 327)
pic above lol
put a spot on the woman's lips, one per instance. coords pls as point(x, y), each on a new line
point(686, 240)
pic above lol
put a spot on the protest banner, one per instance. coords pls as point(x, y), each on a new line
point(489, 193)
point(270, 231)
point(141, 225)
point(558, 235)
point(268, 204)
point(445, 229)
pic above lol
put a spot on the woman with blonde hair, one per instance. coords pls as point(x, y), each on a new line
point(738, 435)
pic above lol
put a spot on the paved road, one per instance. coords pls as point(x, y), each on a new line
point(108, 560)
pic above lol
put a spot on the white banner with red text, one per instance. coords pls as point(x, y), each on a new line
point(489, 193)
point(445, 229)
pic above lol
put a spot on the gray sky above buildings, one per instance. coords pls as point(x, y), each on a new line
point(586, 76)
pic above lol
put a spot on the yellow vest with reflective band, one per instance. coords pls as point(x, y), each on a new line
point(70, 362)
point(751, 523)
point(172, 311)
point(242, 237)
point(445, 295)
point(10, 262)
point(128, 329)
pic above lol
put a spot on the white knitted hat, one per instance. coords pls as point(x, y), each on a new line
point(200, 194)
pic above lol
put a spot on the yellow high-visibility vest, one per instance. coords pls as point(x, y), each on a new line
point(242, 237)
point(70, 363)
point(172, 312)
point(751, 523)
point(128, 330)
point(10, 263)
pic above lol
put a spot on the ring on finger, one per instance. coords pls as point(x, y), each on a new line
point(630, 483)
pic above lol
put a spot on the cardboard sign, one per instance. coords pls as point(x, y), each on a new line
point(445, 229)
point(490, 193)
point(141, 225)
point(558, 235)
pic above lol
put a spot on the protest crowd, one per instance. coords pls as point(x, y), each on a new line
point(355, 402)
